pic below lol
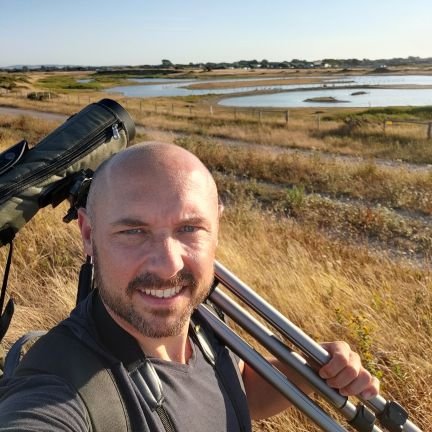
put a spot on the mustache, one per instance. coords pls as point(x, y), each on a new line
point(152, 281)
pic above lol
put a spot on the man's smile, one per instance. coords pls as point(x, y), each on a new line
point(162, 293)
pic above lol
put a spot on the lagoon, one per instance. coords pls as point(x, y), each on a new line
point(294, 95)
point(371, 98)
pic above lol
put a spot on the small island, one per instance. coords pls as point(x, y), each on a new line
point(358, 93)
point(326, 99)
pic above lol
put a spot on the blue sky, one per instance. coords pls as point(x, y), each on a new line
point(134, 32)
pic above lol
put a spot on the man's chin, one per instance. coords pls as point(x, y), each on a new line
point(162, 330)
point(160, 323)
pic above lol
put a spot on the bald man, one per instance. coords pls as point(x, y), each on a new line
point(151, 225)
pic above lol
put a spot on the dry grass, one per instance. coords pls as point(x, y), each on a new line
point(393, 187)
point(333, 289)
point(379, 227)
point(13, 129)
point(192, 115)
point(43, 279)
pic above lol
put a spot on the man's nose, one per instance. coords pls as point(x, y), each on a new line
point(166, 258)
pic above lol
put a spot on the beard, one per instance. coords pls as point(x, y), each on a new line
point(170, 321)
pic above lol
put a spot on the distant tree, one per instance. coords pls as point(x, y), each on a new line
point(264, 63)
point(331, 62)
point(166, 63)
point(354, 62)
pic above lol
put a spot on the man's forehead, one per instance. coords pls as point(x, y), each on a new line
point(151, 174)
point(174, 180)
point(156, 203)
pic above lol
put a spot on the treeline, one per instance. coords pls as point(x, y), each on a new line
point(166, 66)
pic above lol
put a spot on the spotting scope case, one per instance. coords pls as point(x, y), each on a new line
point(32, 178)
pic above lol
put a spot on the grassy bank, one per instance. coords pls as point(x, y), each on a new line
point(12, 81)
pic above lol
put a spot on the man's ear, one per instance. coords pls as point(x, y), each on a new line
point(86, 231)
point(221, 209)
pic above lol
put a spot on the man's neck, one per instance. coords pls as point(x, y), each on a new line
point(171, 348)
point(174, 348)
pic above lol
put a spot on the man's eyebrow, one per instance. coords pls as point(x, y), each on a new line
point(131, 221)
point(193, 220)
point(128, 221)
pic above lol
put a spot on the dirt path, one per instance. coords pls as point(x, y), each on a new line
point(328, 156)
point(32, 113)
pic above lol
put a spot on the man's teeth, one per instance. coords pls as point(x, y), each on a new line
point(166, 293)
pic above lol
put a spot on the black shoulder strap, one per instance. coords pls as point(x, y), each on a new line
point(202, 333)
point(94, 382)
point(202, 340)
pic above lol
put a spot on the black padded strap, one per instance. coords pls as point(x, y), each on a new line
point(7, 313)
point(149, 386)
point(202, 341)
point(94, 382)
point(16, 351)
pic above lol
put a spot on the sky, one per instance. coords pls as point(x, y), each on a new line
point(138, 32)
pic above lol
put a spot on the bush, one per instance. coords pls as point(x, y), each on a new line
point(41, 96)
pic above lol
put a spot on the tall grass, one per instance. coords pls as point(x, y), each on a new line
point(361, 223)
point(13, 129)
point(332, 288)
point(336, 291)
point(43, 278)
point(328, 288)
point(399, 188)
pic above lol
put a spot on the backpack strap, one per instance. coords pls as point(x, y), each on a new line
point(95, 383)
point(106, 412)
point(202, 340)
point(18, 349)
point(149, 385)
point(6, 235)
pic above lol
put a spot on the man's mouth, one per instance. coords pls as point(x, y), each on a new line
point(162, 293)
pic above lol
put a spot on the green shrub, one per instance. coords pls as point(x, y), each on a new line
point(41, 96)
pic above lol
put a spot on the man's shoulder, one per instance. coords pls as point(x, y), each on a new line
point(40, 402)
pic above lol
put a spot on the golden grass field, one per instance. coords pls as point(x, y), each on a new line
point(341, 247)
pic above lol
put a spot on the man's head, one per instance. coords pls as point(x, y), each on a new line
point(151, 225)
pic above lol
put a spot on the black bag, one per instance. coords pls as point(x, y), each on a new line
point(33, 178)
point(59, 166)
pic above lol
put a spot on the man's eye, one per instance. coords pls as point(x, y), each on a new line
point(133, 231)
point(188, 229)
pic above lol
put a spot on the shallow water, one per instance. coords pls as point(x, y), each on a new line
point(328, 88)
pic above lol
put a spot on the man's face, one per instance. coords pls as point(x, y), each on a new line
point(153, 242)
